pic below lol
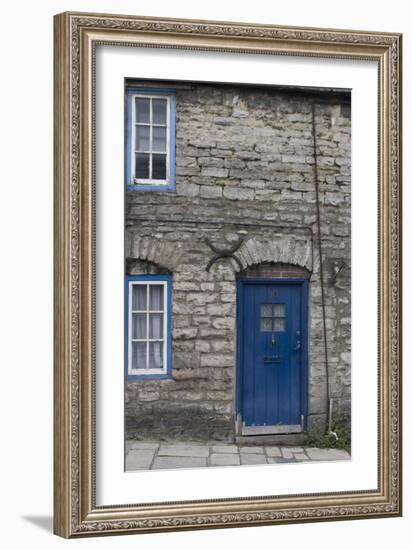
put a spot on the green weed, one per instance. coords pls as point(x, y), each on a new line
point(328, 441)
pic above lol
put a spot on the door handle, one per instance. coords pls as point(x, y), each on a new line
point(298, 342)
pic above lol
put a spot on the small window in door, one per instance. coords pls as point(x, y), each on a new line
point(272, 318)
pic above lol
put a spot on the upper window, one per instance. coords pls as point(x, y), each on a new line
point(148, 305)
point(150, 139)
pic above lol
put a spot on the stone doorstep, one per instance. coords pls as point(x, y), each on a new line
point(272, 440)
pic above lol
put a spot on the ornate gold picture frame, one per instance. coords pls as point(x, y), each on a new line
point(76, 510)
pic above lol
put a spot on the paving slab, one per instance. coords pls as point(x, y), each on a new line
point(294, 449)
point(139, 460)
point(184, 450)
point(146, 445)
point(225, 449)
point(273, 451)
point(286, 453)
point(252, 450)
point(224, 459)
point(300, 457)
point(276, 460)
point(169, 462)
point(250, 458)
point(151, 454)
point(327, 454)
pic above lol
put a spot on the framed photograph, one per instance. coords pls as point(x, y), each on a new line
point(227, 274)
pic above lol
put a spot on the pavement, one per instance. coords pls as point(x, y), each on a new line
point(157, 455)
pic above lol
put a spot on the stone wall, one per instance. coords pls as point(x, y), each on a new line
point(244, 171)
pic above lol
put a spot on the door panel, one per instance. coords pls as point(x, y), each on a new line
point(270, 354)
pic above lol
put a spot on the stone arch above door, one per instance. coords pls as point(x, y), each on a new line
point(293, 250)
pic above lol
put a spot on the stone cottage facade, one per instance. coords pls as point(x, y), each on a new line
point(244, 207)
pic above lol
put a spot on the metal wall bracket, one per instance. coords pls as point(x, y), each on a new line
point(223, 253)
point(336, 271)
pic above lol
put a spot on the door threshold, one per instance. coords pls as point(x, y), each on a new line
point(279, 439)
point(272, 430)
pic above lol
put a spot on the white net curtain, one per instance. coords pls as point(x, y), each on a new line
point(147, 326)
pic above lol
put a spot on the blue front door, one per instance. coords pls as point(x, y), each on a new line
point(272, 350)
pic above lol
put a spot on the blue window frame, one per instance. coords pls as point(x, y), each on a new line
point(150, 139)
point(148, 337)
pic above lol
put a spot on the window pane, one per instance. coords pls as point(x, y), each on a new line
point(142, 109)
point(159, 111)
point(156, 298)
point(266, 310)
point(279, 310)
point(156, 325)
point(143, 138)
point(156, 355)
point(139, 358)
point(159, 139)
point(279, 325)
point(139, 326)
point(142, 166)
point(266, 325)
point(139, 297)
point(159, 167)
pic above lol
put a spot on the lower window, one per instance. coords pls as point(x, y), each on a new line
point(148, 325)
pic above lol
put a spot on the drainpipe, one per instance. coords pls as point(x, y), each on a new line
point(335, 435)
point(329, 402)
